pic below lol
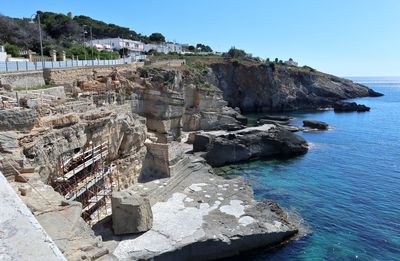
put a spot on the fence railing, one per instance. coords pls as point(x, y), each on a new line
point(15, 66)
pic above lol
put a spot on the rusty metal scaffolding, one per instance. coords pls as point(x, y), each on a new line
point(87, 177)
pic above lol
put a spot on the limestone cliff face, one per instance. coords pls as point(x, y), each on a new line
point(172, 100)
point(257, 88)
point(57, 136)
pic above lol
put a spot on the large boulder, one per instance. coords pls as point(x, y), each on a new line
point(8, 141)
point(18, 120)
point(249, 144)
point(131, 213)
point(319, 125)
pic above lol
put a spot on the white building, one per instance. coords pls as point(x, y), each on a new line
point(109, 44)
point(164, 47)
point(3, 54)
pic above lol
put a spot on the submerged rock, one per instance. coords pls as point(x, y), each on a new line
point(320, 125)
point(349, 107)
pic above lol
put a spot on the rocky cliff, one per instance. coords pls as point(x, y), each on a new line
point(260, 87)
point(41, 146)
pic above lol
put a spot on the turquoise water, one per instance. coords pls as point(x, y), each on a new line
point(347, 187)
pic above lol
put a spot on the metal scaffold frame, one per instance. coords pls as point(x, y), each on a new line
point(87, 177)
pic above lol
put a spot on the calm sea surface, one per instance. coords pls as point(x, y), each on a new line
point(347, 187)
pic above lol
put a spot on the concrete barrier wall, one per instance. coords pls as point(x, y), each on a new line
point(26, 79)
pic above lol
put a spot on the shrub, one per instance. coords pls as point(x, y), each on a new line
point(309, 68)
point(11, 49)
point(234, 53)
point(236, 62)
point(272, 65)
point(157, 37)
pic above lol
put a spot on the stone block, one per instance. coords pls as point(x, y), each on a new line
point(25, 189)
point(131, 213)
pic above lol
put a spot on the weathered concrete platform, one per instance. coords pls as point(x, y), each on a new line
point(198, 215)
point(21, 235)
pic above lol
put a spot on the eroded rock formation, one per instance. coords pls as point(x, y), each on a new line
point(261, 88)
point(266, 141)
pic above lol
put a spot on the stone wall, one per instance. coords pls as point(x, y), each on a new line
point(30, 79)
point(169, 63)
point(72, 75)
point(26, 79)
point(57, 92)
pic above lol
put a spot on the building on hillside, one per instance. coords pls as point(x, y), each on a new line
point(3, 54)
point(109, 44)
point(291, 62)
point(164, 48)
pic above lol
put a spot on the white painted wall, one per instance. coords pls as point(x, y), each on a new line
point(3, 54)
point(164, 47)
point(117, 43)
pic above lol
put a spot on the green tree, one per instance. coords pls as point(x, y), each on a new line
point(106, 55)
point(157, 37)
point(204, 48)
point(276, 60)
point(13, 50)
point(81, 51)
point(234, 53)
point(272, 65)
point(123, 52)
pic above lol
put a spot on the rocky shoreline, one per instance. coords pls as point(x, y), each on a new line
point(145, 117)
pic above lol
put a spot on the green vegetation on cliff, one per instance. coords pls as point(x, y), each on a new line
point(62, 31)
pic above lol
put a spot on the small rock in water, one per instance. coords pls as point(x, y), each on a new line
point(349, 107)
point(320, 125)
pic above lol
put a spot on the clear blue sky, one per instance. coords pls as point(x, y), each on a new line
point(342, 37)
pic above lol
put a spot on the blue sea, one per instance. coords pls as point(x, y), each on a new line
point(347, 187)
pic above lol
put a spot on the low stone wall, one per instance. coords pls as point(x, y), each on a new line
point(170, 63)
point(72, 75)
point(52, 93)
point(26, 79)
point(29, 79)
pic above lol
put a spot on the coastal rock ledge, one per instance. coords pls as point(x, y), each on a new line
point(200, 216)
point(269, 140)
